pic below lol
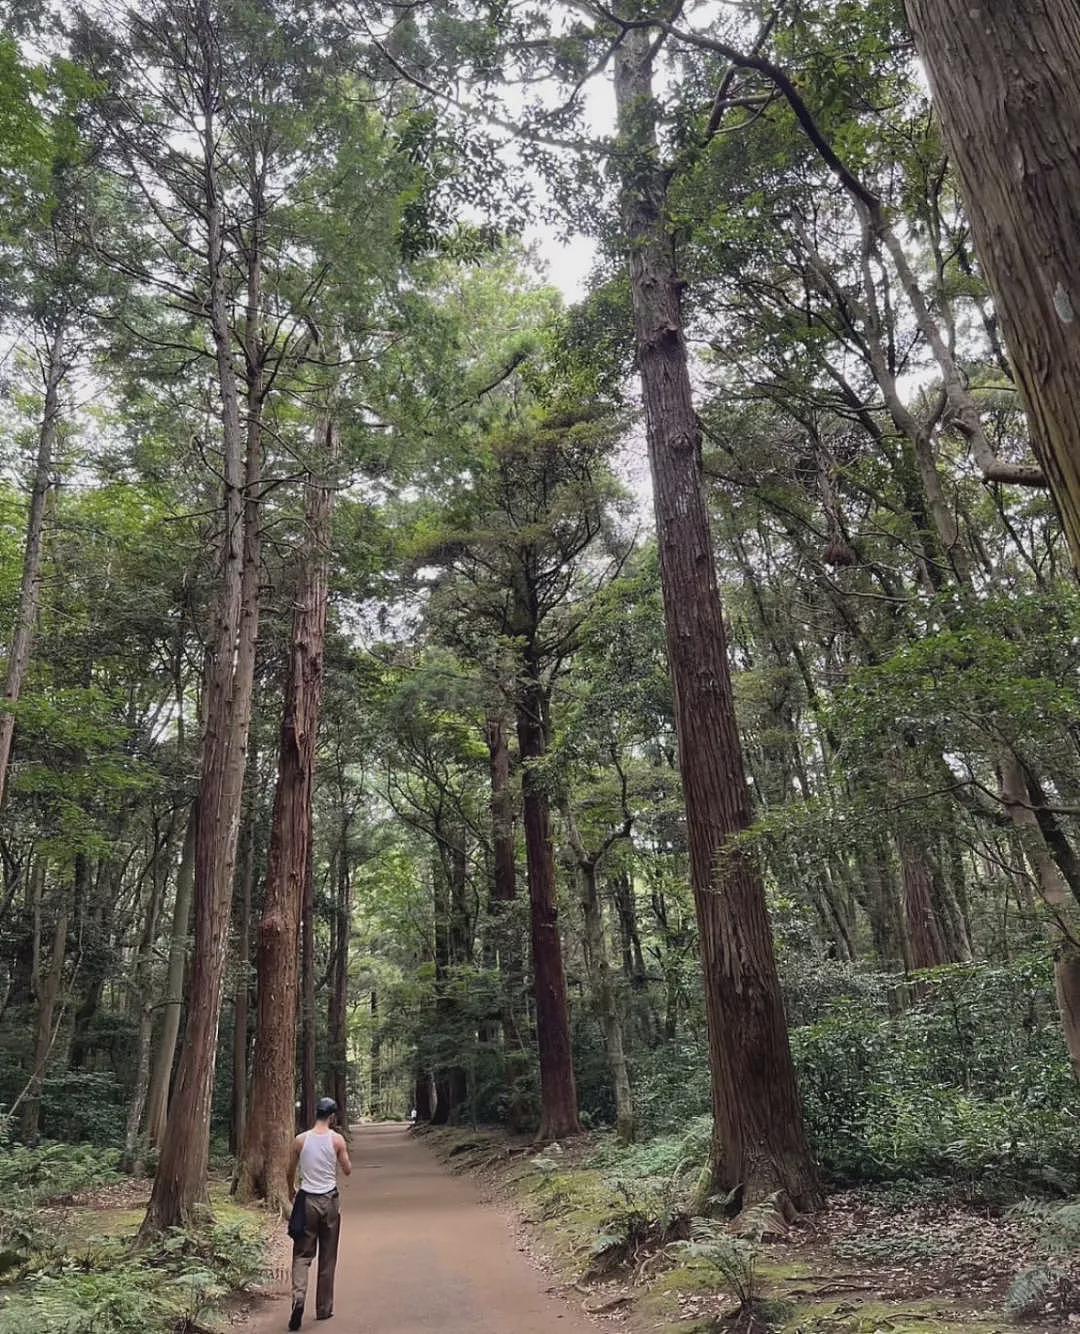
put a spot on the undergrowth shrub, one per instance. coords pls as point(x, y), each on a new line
point(177, 1286)
point(662, 1156)
point(1048, 1287)
point(735, 1260)
point(31, 1178)
point(646, 1215)
point(671, 1086)
point(945, 1089)
point(941, 1095)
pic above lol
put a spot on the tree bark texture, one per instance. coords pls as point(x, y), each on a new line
point(180, 1185)
point(927, 939)
point(375, 1102)
point(157, 1102)
point(1057, 893)
point(48, 999)
point(265, 1158)
point(338, 1016)
point(308, 1014)
point(605, 1001)
point(451, 1087)
point(558, 1088)
point(1003, 75)
point(504, 861)
point(144, 1000)
point(242, 993)
point(759, 1139)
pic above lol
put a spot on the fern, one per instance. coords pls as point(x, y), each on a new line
point(1030, 1291)
point(735, 1259)
point(1061, 1230)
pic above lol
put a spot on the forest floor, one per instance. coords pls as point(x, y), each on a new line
point(466, 1231)
point(875, 1262)
point(88, 1275)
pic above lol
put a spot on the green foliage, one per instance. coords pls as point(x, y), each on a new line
point(177, 1286)
point(33, 1177)
point(667, 1156)
point(671, 1086)
point(733, 1258)
point(945, 1089)
point(646, 1214)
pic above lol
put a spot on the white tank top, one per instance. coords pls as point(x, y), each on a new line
point(318, 1163)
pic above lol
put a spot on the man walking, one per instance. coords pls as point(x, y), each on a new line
point(316, 1216)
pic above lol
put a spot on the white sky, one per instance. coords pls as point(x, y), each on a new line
point(567, 262)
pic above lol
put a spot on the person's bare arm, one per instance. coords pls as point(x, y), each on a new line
point(343, 1154)
point(294, 1162)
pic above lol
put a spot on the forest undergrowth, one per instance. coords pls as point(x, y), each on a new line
point(612, 1225)
point(70, 1263)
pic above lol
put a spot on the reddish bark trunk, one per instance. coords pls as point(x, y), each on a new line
point(928, 948)
point(422, 1097)
point(241, 996)
point(504, 863)
point(506, 942)
point(48, 999)
point(760, 1142)
point(558, 1088)
point(375, 1108)
point(1004, 75)
point(264, 1165)
point(157, 1103)
point(338, 1033)
point(180, 1184)
point(308, 1015)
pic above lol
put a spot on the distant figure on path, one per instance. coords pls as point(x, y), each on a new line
point(316, 1216)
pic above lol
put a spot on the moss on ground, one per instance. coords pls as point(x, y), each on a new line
point(571, 1198)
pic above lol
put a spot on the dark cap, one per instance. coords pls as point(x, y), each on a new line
point(325, 1108)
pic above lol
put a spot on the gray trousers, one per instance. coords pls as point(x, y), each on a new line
point(321, 1230)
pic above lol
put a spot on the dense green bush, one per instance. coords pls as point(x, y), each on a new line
point(946, 1089)
point(83, 1106)
point(671, 1086)
point(941, 1090)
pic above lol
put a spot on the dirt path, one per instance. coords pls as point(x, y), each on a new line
point(419, 1251)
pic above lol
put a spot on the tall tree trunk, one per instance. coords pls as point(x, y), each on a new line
point(96, 897)
point(144, 1000)
point(180, 1184)
point(928, 946)
point(157, 1102)
point(1058, 893)
point(48, 997)
point(422, 1099)
point(759, 1139)
point(375, 1101)
point(308, 1014)
point(449, 1079)
point(30, 589)
point(599, 972)
point(338, 1028)
point(242, 993)
point(1003, 76)
point(504, 861)
point(558, 1088)
point(506, 939)
point(265, 1160)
